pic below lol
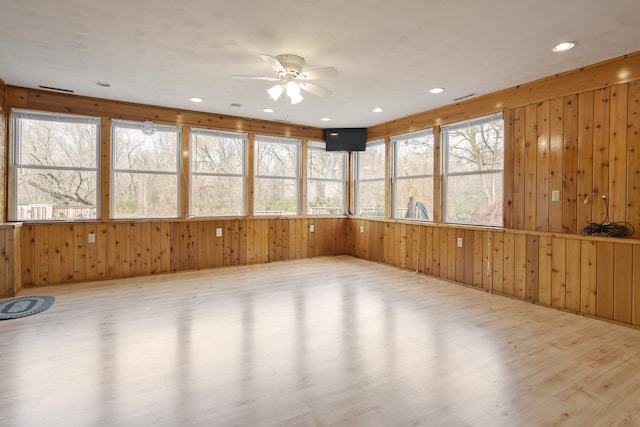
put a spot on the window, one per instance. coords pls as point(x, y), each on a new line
point(55, 166)
point(217, 173)
point(277, 171)
point(413, 175)
point(370, 173)
point(473, 164)
point(145, 171)
point(325, 180)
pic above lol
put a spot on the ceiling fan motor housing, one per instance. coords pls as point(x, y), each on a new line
point(292, 65)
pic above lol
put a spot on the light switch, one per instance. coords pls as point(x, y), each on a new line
point(91, 238)
point(311, 228)
point(459, 242)
point(218, 232)
point(555, 196)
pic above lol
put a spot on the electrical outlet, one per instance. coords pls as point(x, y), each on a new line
point(218, 232)
point(91, 238)
point(362, 228)
point(459, 242)
point(555, 195)
point(311, 228)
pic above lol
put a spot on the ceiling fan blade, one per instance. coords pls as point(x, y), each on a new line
point(318, 73)
point(270, 79)
point(275, 64)
point(314, 89)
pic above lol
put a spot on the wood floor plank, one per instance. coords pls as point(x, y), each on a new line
point(326, 341)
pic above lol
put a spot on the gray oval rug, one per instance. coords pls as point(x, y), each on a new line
point(24, 306)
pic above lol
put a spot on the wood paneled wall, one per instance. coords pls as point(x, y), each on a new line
point(54, 253)
point(586, 146)
point(10, 259)
point(594, 276)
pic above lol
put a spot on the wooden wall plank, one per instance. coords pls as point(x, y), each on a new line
point(622, 282)
point(558, 272)
point(570, 197)
point(618, 154)
point(600, 153)
point(145, 248)
point(53, 253)
point(543, 166)
point(497, 261)
point(519, 169)
point(520, 266)
point(636, 285)
point(478, 258)
point(28, 255)
point(573, 274)
point(79, 252)
point(556, 159)
point(532, 288)
point(633, 156)
point(508, 187)
point(585, 182)
point(604, 279)
point(530, 167)
point(469, 247)
point(588, 282)
point(545, 264)
point(508, 277)
point(66, 253)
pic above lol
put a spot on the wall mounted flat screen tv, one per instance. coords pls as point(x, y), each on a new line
point(346, 139)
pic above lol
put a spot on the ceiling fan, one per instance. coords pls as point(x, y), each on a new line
point(291, 78)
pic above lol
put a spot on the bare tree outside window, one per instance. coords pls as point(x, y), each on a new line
point(370, 173)
point(413, 175)
point(55, 166)
point(326, 180)
point(145, 172)
point(277, 166)
point(217, 173)
point(474, 171)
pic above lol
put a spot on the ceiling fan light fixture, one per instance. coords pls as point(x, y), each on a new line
point(275, 92)
point(293, 92)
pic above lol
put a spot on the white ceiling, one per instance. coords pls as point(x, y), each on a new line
point(388, 54)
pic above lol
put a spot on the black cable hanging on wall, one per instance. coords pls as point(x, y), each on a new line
point(611, 229)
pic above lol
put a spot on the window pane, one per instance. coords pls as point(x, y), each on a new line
point(56, 194)
point(276, 159)
point(56, 143)
point(414, 155)
point(414, 198)
point(325, 164)
point(217, 153)
point(276, 196)
point(371, 198)
point(325, 198)
point(475, 199)
point(217, 195)
point(371, 162)
point(55, 166)
point(478, 147)
point(137, 151)
point(145, 195)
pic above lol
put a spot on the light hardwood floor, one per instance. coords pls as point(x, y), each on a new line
point(331, 341)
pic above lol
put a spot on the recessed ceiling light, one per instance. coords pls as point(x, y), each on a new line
point(377, 110)
point(104, 84)
point(437, 90)
point(325, 119)
point(195, 99)
point(268, 110)
point(564, 46)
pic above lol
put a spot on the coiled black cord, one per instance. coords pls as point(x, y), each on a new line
point(611, 229)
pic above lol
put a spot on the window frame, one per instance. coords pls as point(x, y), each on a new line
point(130, 124)
point(258, 138)
point(444, 137)
point(16, 150)
point(210, 132)
point(358, 180)
point(394, 140)
point(322, 146)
